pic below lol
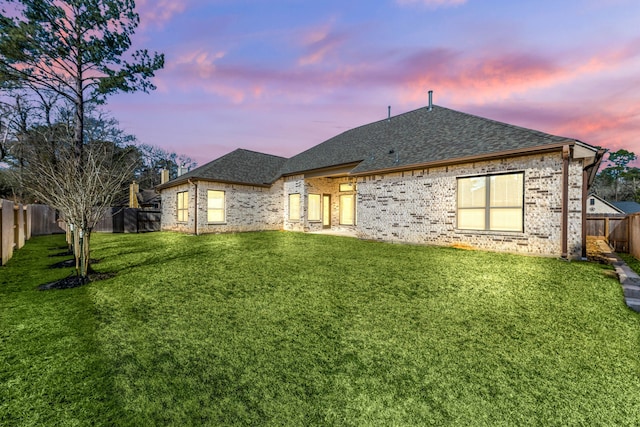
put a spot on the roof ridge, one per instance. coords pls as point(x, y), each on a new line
point(256, 152)
point(508, 125)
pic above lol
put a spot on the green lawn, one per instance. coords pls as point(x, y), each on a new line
point(283, 328)
point(631, 262)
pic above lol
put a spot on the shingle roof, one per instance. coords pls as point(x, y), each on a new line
point(239, 166)
point(418, 137)
point(627, 207)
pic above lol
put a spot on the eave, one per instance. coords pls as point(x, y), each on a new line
point(470, 159)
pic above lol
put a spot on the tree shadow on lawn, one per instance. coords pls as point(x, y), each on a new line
point(73, 280)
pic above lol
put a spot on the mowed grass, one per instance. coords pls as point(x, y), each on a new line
point(280, 328)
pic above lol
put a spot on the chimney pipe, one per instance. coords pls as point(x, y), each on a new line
point(430, 100)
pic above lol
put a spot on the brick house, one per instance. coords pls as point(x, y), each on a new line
point(432, 175)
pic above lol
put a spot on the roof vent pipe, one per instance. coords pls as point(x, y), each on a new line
point(430, 100)
point(389, 114)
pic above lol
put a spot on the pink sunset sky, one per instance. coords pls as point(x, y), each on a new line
point(280, 76)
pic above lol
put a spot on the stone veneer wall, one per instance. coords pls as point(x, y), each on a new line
point(419, 206)
point(247, 208)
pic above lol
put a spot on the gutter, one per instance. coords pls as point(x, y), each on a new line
point(469, 159)
point(188, 180)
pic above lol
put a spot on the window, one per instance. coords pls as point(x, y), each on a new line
point(215, 206)
point(294, 207)
point(493, 202)
point(314, 208)
point(183, 206)
point(347, 209)
point(592, 201)
point(347, 187)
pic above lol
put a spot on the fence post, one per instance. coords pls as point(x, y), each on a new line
point(7, 233)
point(27, 222)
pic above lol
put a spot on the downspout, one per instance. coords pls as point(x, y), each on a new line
point(565, 201)
point(585, 182)
point(195, 207)
point(587, 178)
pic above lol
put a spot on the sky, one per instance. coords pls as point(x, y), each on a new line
point(280, 76)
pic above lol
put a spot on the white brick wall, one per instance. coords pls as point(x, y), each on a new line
point(420, 206)
point(247, 208)
point(416, 206)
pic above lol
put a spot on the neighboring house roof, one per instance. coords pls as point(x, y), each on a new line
point(601, 206)
point(417, 137)
point(240, 166)
point(627, 207)
point(148, 197)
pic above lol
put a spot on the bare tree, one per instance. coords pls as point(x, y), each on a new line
point(81, 194)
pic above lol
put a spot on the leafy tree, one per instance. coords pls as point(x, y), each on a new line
point(76, 52)
point(618, 181)
point(73, 48)
point(619, 161)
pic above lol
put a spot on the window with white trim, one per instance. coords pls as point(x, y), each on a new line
point(314, 211)
point(491, 202)
point(182, 206)
point(294, 207)
point(215, 206)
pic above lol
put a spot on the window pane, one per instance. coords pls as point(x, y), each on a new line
point(506, 219)
point(215, 206)
point(347, 209)
point(471, 219)
point(314, 207)
point(215, 215)
point(506, 190)
point(215, 199)
point(472, 192)
point(294, 207)
point(182, 206)
point(347, 187)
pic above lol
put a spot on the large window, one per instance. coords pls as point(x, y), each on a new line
point(294, 207)
point(347, 209)
point(493, 202)
point(314, 211)
point(215, 206)
point(183, 206)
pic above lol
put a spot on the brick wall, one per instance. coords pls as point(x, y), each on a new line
point(247, 208)
point(321, 186)
point(417, 206)
point(420, 206)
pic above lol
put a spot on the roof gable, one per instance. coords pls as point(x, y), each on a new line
point(240, 166)
point(418, 137)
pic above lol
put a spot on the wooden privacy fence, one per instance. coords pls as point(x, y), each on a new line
point(19, 222)
point(128, 220)
point(634, 235)
point(613, 228)
point(622, 233)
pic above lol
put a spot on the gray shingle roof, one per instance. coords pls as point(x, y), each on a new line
point(627, 207)
point(240, 166)
point(418, 137)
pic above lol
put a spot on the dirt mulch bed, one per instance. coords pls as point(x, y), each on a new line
point(594, 251)
point(74, 281)
point(70, 263)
